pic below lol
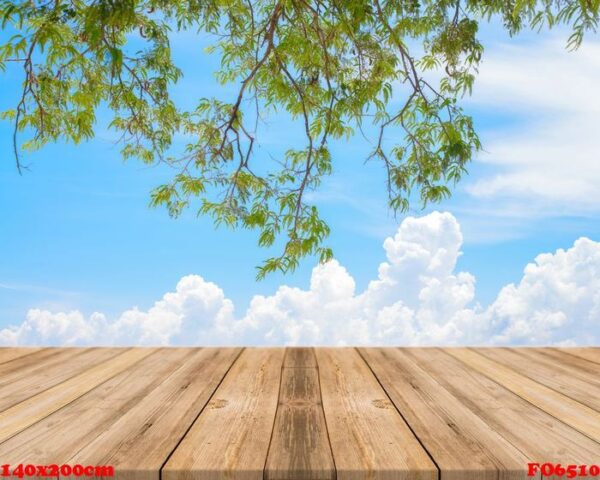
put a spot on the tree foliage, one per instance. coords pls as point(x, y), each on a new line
point(332, 65)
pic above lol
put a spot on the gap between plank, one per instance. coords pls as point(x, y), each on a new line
point(67, 378)
point(312, 349)
point(84, 393)
point(160, 470)
point(158, 385)
point(510, 392)
point(497, 382)
point(316, 367)
point(538, 362)
point(285, 354)
point(400, 413)
point(25, 355)
point(567, 351)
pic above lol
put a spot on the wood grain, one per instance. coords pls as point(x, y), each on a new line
point(19, 385)
point(556, 374)
point(539, 435)
point(138, 443)
point(29, 411)
point(570, 362)
point(369, 439)
point(301, 413)
point(22, 363)
point(300, 358)
point(8, 354)
point(462, 445)
point(579, 416)
point(65, 431)
point(230, 438)
point(299, 448)
point(590, 354)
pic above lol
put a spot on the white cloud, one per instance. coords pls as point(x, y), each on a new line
point(557, 300)
point(548, 154)
point(418, 298)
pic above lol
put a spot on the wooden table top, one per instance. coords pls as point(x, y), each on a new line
point(301, 413)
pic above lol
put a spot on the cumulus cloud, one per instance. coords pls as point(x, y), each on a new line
point(557, 300)
point(418, 298)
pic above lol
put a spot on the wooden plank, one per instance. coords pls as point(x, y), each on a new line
point(57, 437)
point(140, 441)
point(462, 445)
point(554, 373)
point(299, 448)
point(9, 353)
point(35, 364)
point(540, 436)
point(369, 438)
point(591, 354)
point(26, 413)
point(579, 416)
point(19, 385)
point(477, 416)
point(230, 439)
point(24, 362)
point(300, 358)
point(579, 366)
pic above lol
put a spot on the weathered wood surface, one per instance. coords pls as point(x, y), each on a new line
point(368, 437)
point(462, 444)
point(299, 447)
point(301, 413)
point(573, 413)
point(231, 436)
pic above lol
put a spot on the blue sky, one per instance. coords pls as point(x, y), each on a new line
point(76, 232)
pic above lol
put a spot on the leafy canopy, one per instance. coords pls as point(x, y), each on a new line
point(332, 65)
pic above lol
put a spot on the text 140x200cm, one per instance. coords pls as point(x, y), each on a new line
point(30, 470)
